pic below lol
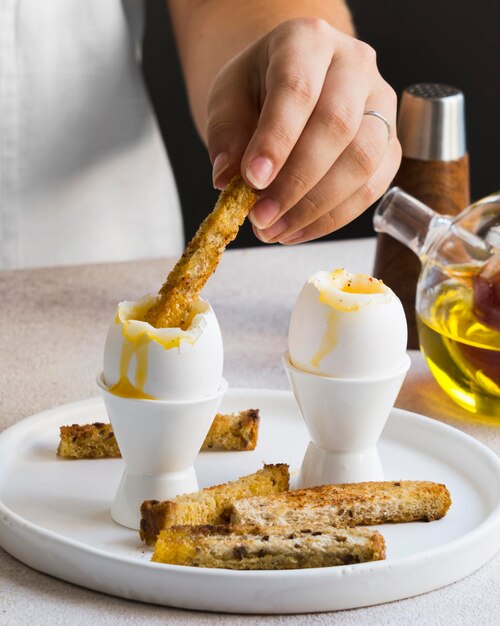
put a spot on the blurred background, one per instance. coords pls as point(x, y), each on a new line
point(454, 42)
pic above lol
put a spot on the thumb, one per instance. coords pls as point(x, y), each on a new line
point(231, 121)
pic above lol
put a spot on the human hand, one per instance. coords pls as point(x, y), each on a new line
point(289, 112)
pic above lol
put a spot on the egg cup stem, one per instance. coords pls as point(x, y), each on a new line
point(324, 467)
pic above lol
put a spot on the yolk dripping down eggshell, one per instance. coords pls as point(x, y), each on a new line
point(141, 361)
point(347, 326)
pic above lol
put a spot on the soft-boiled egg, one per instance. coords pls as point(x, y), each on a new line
point(141, 361)
point(348, 326)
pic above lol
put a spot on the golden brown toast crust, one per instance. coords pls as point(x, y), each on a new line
point(210, 505)
point(346, 505)
point(233, 432)
point(201, 256)
point(254, 548)
point(88, 441)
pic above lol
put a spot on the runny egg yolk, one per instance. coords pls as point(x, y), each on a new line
point(137, 344)
point(354, 283)
point(331, 293)
point(368, 286)
point(124, 387)
point(328, 342)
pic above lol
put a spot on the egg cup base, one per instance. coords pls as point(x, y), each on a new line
point(126, 506)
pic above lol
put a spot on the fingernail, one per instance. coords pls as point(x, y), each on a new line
point(220, 164)
point(273, 231)
point(264, 212)
point(259, 172)
point(256, 232)
point(292, 238)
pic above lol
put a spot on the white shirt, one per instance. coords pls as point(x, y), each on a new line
point(84, 175)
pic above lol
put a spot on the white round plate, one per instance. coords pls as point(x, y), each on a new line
point(54, 515)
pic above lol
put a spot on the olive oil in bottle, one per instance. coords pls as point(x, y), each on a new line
point(462, 352)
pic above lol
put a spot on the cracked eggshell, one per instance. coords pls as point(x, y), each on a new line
point(141, 361)
point(347, 325)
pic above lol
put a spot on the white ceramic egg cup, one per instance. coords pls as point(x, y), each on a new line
point(159, 441)
point(345, 418)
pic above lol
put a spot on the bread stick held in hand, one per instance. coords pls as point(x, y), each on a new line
point(201, 257)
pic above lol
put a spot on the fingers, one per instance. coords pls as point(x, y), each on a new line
point(357, 163)
point(288, 114)
point(262, 100)
point(299, 57)
point(231, 121)
point(332, 127)
point(353, 206)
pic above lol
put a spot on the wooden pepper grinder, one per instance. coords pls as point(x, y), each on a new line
point(435, 170)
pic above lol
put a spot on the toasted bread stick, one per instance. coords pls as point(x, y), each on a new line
point(210, 505)
point(201, 256)
point(351, 504)
point(232, 432)
point(247, 548)
point(88, 441)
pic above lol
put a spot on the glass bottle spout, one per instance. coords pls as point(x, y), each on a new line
point(418, 227)
point(409, 221)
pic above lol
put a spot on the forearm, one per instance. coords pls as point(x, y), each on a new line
point(211, 32)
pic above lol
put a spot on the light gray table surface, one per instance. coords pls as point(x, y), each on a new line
point(52, 328)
